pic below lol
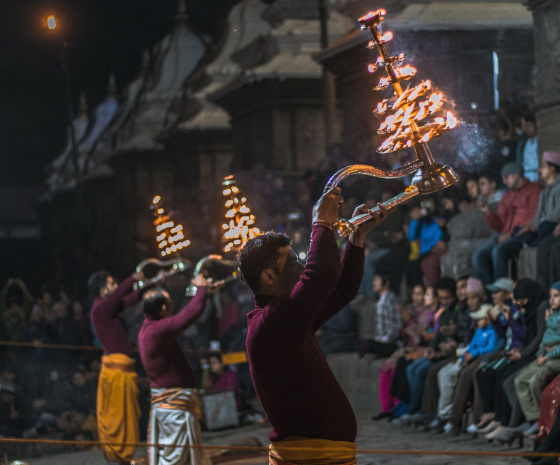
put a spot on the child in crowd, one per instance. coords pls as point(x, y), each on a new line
point(509, 324)
point(484, 342)
point(531, 381)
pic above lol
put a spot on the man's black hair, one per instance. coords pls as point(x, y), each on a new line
point(216, 355)
point(385, 278)
point(96, 282)
point(258, 254)
point(447, 284)
point(154, 300)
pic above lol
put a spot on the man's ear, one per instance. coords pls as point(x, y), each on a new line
point(268, 277)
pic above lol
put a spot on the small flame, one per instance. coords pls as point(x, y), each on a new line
point(386, 37)
point(381, 107)
point(370, 15)
point(406, 72)
point(451, 121)
point(436, 101)
point(371, 45)
point(371, 68)
point(383, 83)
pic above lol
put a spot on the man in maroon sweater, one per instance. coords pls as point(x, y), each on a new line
point(173, 420)
point(300, 395)
point(118, 411)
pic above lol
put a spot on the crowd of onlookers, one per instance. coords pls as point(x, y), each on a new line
point(482, 343)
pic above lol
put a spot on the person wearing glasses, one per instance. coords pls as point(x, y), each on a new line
point(173, 420)
point(312, 420)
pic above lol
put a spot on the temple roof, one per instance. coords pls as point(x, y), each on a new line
point(442, 15)
point(244, 26)
point(176, 58)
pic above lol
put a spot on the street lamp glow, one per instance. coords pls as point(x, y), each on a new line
point(51, 22)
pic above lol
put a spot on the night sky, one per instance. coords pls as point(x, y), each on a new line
point(103, 37)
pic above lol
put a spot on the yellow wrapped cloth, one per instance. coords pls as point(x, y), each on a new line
point(118, 411)
point(304, 451)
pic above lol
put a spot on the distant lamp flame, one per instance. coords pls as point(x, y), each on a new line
point(51, 22)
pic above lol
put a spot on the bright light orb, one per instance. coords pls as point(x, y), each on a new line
point(51, 22)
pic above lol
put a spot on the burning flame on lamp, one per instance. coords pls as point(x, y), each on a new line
point(171, 236)
point(239, 229)
point(412, 121)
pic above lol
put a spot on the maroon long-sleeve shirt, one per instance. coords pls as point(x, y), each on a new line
point(297, 389)
point(105, 318)
point(162, 357)
point(516, 208)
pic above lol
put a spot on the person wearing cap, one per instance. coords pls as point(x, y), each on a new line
point(532, 380)
point(548, 210)
point(501, 291)
point(517, 207)
point(484, 342)
point(545, 222)
point(509, 325)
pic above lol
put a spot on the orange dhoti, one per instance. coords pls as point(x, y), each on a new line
point(304, 451)
point(118, 411)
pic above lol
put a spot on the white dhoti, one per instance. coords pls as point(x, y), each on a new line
point(173, 425)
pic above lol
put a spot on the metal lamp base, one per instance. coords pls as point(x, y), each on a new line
point(433, 178)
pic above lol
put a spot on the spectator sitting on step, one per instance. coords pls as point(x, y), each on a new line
point(388, 323)
point(547, 216)
point(484, 342)
point(532, 380)
point(489, 192)
point(416, 333)
point(440, 381)
point(517, 207)
point(548, 210)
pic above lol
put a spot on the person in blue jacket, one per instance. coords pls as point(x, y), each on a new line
point(427, 233)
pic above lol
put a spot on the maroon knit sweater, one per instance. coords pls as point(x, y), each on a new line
point(162, 357)
point(105, 318)
point(297, 389)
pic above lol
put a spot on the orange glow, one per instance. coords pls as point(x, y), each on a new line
point(451, 121)
point(381, 107)
point(406, 72)
point(369, 15)
point(386, 37)
point(156, 199)
point(51, 22)
point(371, 68)
point(383, 83)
